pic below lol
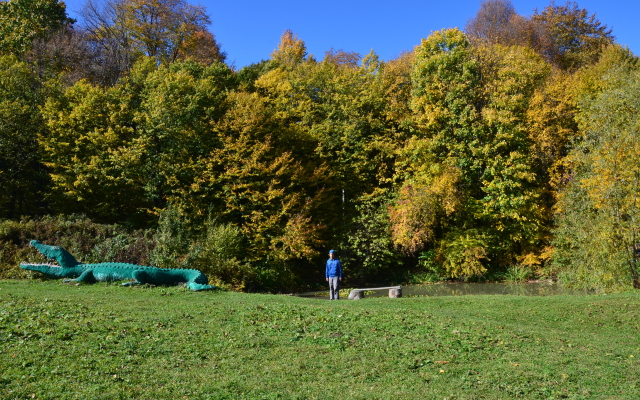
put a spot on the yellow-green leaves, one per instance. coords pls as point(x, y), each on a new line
point(444, 80)
point(91, 149)
point(422, 205)
point(254, 180)
point(22, 21)
point(291, 50)
point(598, 212)
point(131, 148)
point(470, 105)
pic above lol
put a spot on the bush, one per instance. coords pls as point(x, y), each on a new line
point(220, 254)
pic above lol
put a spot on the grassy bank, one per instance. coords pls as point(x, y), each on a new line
point(108, 342)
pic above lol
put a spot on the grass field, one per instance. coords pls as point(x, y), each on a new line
point(103, 341)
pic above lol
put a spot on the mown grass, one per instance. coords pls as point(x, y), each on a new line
point(103, 341)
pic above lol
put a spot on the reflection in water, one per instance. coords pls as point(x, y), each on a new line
point(463, 289)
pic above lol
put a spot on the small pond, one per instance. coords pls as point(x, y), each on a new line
point(463, 289)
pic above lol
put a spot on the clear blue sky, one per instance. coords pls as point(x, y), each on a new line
point(249, 30)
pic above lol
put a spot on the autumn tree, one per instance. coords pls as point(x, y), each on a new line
point(169, 30)
point(342, 57)
point(567, 36)
point(64, 54)
point(108, 39)
point(291, 50)
point(395, 78)
point(23, 21)
point(202, 47)
point(552, 123)
point(473, 153)
point(180, 135)
point(493, 22)
point(497, 22)
point(596, 240)
point(258, 179)
point(577, 37)
point(356, 115)
point(423, 203)
point(341, 109)
point(552, 115)
point(125, 152)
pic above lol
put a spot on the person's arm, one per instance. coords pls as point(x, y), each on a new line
point(340, 269)
point(326, 272)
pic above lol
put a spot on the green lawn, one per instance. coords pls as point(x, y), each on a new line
point(103, 341)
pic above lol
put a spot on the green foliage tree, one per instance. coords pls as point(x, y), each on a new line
point(445, 91)
point(125, 152)
point(254, 180)
point(369, 247)
point(89, 149)
point(173, 239)
point(510, 186)
point(445, 84)
point(220, 252)
point(23, 21)
point(470, 104)
point(248, 75)
point(178, 104)
point(23, 178)
point(342, 110)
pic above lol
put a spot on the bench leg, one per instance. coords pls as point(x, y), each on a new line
point(394, 293)
point(356, 295)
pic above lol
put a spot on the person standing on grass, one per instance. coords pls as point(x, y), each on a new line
point(333, 275)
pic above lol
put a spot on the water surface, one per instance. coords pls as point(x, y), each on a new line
point(464, 289)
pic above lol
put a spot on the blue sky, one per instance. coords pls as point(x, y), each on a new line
point(249, 30)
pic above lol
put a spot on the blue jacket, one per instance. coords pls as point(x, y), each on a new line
point(334, 268)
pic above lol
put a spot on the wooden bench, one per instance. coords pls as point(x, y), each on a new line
point(394, 291)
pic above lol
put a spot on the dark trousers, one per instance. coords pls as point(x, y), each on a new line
point(334, 287)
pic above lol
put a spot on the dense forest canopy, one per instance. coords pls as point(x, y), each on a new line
point(507, 149)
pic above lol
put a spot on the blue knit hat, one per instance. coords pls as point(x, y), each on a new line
point(332, 251)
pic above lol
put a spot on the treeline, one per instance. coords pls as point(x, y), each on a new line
point(508, 150)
